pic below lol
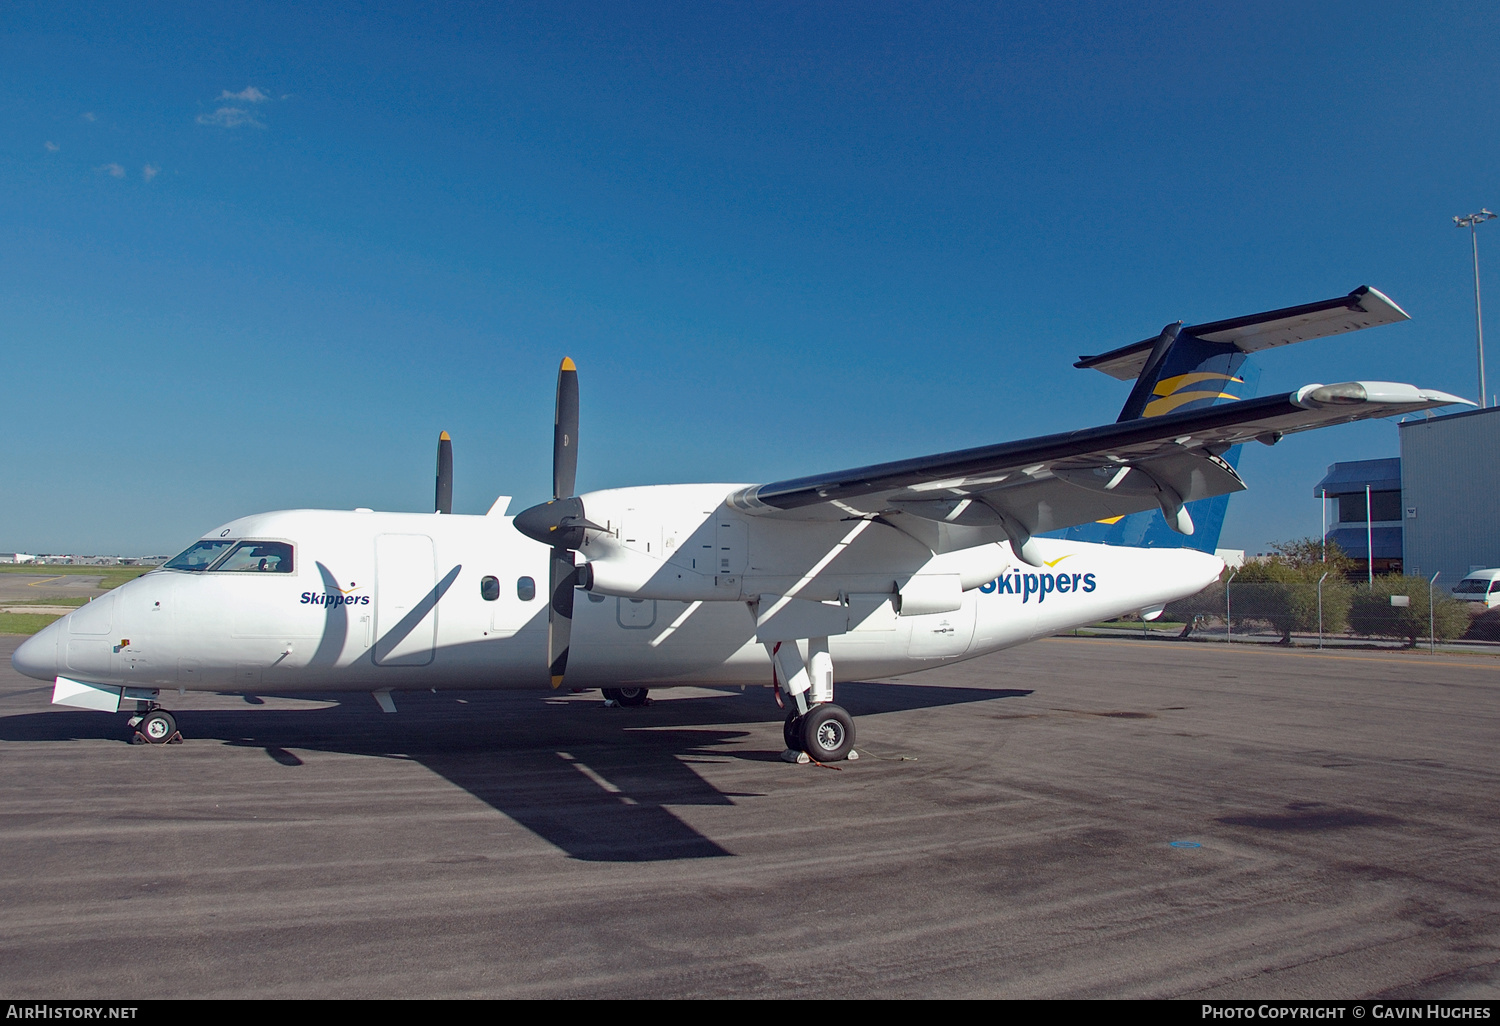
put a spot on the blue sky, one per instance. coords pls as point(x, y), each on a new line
point(258, 257)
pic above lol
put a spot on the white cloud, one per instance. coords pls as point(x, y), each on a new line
point(51, 146)
point(229, 117)
point(89, 116)
point(113, 170)
point(150, 171)
point(249, 94)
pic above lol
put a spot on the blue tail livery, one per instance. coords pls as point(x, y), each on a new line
point(1190, 368)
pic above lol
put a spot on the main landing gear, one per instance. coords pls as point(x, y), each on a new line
point(627, 696)
point(154, 726)
point(815, 728)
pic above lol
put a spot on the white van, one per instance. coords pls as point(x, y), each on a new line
point(1479, 586)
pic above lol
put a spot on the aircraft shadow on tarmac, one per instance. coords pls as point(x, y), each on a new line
point(594, 781)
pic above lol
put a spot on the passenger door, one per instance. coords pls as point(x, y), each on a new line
point(405, 600)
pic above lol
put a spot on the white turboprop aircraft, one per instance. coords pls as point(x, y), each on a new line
point(864, 573)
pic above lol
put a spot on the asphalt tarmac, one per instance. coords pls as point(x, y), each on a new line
point(28, 587)
point(1008, 832)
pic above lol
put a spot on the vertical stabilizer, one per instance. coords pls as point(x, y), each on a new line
point(1190, 368)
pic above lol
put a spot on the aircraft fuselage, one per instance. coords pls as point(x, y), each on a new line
point(402, 600)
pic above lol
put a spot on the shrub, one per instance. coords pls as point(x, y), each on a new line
point(1372, 613)
point(1285, 597)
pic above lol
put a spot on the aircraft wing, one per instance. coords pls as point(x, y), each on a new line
point(1013, 490)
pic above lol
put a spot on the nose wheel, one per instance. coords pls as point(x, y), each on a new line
point(156, 727)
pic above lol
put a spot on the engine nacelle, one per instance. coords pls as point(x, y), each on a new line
point(626, 573)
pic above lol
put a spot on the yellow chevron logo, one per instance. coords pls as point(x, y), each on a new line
point(1172, 396)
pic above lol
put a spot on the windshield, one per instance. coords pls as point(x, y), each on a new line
point(258, 557)
point(1471, 586)
point(231, 555)
point(201, 556)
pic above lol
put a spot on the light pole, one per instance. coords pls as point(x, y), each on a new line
point(1470, 222)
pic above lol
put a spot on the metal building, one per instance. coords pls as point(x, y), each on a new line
point(1450, 494)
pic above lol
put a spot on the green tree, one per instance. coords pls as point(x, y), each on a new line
point(1372, 613)
point(1305, 553)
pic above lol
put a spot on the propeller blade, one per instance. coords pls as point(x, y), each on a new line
point(562, 576)
point(443, 503)
point(565, 432)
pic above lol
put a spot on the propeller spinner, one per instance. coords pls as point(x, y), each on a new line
point(560, 522)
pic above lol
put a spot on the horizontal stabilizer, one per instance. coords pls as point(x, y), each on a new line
point(1363, 308)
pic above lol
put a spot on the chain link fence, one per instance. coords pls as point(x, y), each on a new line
point(1395, 608)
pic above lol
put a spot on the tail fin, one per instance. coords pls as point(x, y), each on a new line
point(1189, 368)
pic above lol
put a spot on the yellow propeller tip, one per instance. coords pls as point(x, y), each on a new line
point(557, 682)
point(444, 437)
point(567, 364)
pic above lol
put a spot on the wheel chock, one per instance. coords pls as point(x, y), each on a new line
point(142, 739)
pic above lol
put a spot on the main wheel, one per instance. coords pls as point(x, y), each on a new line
point(632, 696)
point(791, 732)
point(827, 733)
point(611, 694)
point(158, 726)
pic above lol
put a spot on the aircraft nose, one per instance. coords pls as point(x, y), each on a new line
point(37, 656)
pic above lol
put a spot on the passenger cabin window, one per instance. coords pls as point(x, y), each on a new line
point(525, 589)
point(253, 557)
point(489, 588)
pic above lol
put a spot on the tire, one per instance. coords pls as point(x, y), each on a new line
point(157, 726)
point(827, 733)
point(632, 696)
point(791, 732)
point(611, 694)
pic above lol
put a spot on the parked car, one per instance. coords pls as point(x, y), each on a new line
point(1479, 586)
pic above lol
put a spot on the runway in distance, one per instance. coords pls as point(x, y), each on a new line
point(795, 584)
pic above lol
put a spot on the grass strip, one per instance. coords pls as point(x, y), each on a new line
point(24, 623)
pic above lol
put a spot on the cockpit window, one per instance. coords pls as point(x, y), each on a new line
point(257, 557)
point(233, 555)
point(202, 555)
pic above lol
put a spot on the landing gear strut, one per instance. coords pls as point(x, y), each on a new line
point(815, 728)
point(627, 696)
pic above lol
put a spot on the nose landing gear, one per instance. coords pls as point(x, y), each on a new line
point(627, 696)
point(155, 727)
